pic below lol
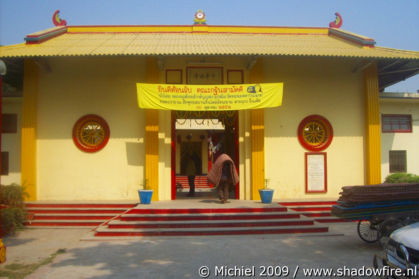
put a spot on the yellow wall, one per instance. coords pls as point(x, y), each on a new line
point(314, 86)
point(11, 142)
point(373, 129)
point(75, 87)
point(165, 151)
point(29, 129)
point(400, 141)
point(106, 86)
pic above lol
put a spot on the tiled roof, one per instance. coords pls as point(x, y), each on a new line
point(77, 41)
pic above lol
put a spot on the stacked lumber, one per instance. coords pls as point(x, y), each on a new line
point(363, 202)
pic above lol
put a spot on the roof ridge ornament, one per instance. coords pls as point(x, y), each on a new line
point(338, 21)
point(57, 20)
point(200, 18)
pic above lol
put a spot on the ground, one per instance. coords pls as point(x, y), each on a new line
point(182, 257)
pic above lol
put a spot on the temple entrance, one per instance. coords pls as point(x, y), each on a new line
point(198, 138)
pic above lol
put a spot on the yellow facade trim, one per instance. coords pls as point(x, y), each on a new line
point(197, 28)
point(373, 132)
point(257, 128)
point(152, 135)
point(29, 119)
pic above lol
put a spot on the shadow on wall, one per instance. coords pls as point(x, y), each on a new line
point(134, 156)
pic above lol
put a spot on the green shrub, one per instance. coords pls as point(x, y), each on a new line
point(13, 213)
point(12, 219)
point(402, 178)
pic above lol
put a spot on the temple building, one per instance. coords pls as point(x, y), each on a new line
point(98, 112)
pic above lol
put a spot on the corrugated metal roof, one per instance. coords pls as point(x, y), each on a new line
point(99, 44)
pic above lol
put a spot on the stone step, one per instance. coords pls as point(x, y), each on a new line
point(307, 203)
point(192, 217)
point(76, 210)
point(206, 210)
point(317, 214)
point(72, 217)
point(331, 220)
point(310, 208)
point(64, 223)
point(104, 231)
point(82, 205)
point(117, 224)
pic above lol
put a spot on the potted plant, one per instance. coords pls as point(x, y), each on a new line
point(266, 194)
point(145, 193)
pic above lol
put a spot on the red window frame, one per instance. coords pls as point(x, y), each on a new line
point(328, 129)
point(77, 133)
point(396, 120)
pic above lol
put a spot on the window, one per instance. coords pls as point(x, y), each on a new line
point(397, 161)
point(315, 133)
point(235, 77)
point(174, 76)
point(9, 123)
point(396, 123)
point(5, 163)
point(91, 133)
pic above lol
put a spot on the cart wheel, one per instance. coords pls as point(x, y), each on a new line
point(367, 232)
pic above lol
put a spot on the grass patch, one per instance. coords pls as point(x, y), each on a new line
point(20, 271)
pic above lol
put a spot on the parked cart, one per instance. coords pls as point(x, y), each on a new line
point(379, 209)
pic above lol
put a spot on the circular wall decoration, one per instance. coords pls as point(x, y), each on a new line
point(91, 133)
point(315, 133)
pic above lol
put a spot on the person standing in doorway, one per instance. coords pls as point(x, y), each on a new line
point(190, 171)
point(223, 175)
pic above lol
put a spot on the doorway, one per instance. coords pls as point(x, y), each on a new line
point(204, 135)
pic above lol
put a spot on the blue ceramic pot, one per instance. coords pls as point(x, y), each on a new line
point(145, 196)
point(266, 195)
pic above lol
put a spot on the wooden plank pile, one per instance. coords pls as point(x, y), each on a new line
point(363, 202)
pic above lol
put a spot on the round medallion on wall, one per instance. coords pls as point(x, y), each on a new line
point(91, 133)
point(315, 133)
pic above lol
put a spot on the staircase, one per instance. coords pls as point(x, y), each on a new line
point(141, 221)
point(201, 182)
point(319, 211)
point(73, 215)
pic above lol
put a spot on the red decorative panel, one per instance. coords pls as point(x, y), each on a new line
point(91, 133)
point(315, 133)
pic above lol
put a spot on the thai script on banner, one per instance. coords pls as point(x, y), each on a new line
point(209, 97)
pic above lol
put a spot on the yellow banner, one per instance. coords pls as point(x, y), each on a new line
point(209, 97)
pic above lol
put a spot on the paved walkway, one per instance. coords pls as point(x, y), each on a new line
point(181, 257)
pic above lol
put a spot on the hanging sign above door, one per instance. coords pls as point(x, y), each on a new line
point(209, 97)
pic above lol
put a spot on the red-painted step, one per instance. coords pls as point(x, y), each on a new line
point(75, 211)
point(317, 214)
point(125, 225)
point(72, 217)
point(75, 205)
point(208, 221)
point(204, 217)
point(205, 210)
point(63, 224)
point(213, 232)
point(319, 210)
point(311, 208)
point(331, 220)
point(72, 214)
point(298, 203)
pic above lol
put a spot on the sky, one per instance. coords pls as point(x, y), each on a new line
point(391, 23)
